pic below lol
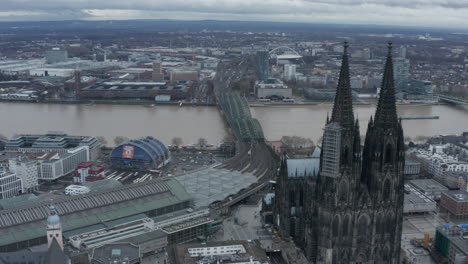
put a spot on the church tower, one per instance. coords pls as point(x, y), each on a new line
point(382, 172)
point(54, 228)
point(332, 236)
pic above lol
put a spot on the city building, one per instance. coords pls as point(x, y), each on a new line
point(55, 165)
point(76, 190)
point(451, 243)
point(27, 170)
point(88, 172)
point(140, 154)
point(235, 252)
point(289, 72)
point(272, 88)
point(412, 169)
point(401, 74)
point(10, 185)
point(53, 142)
point(454, 204)
point(263, 64)
point(56, 55)
point(358, 194)
point(403, 52)
point(421, 87)
point(429, 187)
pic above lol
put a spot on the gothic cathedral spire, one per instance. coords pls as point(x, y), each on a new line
point(386, 114)
point(343, 106)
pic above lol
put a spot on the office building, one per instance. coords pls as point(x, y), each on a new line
point(55, 165)
point(403, 52)
point(272, 88)
point(289, 72)
point(10, 185)
point(263, 64)
point(401, 74)
point(27, 170)
point(454, 204)
point(421, 87)
point(53, 142)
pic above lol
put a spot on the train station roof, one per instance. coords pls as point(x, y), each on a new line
point(28, 221)
point(210, 185)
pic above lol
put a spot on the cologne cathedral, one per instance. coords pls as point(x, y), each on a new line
point(351, 209)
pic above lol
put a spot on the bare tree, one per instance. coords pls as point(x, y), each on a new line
point(202, 142)
point(177, 141)
point(119, 140)
point(3, 138)
point(228, 138)
point(102, 140)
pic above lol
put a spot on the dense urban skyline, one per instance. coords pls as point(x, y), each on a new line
point(436, 13)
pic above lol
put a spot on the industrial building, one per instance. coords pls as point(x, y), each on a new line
point(22, 226)
point(140, 154)
point(53, 142)
point(126, 90)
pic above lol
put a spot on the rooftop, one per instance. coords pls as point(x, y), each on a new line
point(428, 185)
point(210, 185)
point(27, 221)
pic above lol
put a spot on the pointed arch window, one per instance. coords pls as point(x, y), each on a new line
point(336, 226)
point(388, 154)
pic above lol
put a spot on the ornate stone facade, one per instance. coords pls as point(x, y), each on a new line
point(352, 211)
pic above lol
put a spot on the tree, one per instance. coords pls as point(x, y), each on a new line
point(202, 142)
point(3, 138)
point(408, 139)
point(296, 142)
point(177, 141)
point(119, 140)
point(228, 138)
point(102, 140)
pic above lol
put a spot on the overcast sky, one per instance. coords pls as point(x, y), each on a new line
point(440, 13)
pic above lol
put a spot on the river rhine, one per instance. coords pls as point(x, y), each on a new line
point(191, 123)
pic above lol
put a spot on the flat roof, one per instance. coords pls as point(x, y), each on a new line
point(428, 185)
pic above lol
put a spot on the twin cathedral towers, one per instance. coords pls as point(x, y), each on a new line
point(351, 211)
